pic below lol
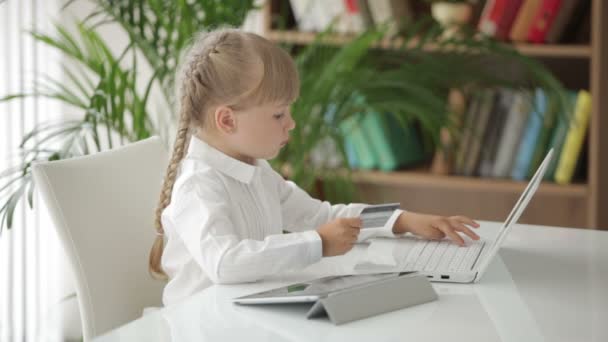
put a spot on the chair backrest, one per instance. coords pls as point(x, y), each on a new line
point(103, 208)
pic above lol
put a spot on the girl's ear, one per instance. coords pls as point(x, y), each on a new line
point(225, 119)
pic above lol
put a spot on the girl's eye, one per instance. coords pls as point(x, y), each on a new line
point(279, 115)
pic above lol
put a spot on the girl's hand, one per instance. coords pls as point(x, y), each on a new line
point(339, 236)
point(435, 227)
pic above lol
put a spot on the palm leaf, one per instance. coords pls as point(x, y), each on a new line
point(114, 108)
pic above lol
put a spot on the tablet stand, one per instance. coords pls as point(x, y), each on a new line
point(371, 299)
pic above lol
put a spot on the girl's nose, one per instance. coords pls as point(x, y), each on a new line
point(291, 124)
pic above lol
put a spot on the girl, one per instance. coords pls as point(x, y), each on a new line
point(222, 208)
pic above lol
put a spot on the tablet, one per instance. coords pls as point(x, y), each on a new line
point(311, 291)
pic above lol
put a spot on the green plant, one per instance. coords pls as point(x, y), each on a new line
point(115, 107)
point(411, 80)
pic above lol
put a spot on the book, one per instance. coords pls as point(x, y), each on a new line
point(504, 99)
point(351, 153)
point(366, 14)
point(542, 144)
point(405, 141)
point(574, 139)
point(483, 115)
point(512, 133)
point(507, 18)
point(395, 12)
point(330, 12)
point(393, 143)
point(444, 158)
point(523, 20)
point(578, 26)
point(351, 21)
point(374, 128)
point(304, 12)
point(488, 19)
point(464, 139)
point(558, 136)
point(532, 129)
point(352, 129)
point(564, 15)
point(543, 20)
point(498, 17)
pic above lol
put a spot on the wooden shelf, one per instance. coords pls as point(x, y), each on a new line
point(565, 51)
point(479, 198)
point(538, 50)
point(465, 184)
point(576, 205)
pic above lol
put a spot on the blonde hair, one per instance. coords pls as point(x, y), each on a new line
point(222, 67)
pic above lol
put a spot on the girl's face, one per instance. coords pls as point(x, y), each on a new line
point(260, 132)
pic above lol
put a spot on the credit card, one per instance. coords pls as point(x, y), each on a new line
point(376, 216)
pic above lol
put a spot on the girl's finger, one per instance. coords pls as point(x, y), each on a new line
point(466, 220)
point(462, 228)
point(434, 234)
point(449, 231)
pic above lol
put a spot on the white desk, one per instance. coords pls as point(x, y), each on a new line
point(549, 284)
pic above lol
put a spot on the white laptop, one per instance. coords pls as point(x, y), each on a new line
point(444, 260)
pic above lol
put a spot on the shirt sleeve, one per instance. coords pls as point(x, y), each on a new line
point(203, 222)
point(301, 212)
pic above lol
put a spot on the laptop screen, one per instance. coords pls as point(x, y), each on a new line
point(518, 209)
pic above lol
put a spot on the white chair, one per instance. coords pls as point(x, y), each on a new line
point(103, 208)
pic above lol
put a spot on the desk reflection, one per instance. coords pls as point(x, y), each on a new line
point(494, 307)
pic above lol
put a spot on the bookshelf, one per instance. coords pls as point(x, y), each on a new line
point(580, 205)
point(535, 50)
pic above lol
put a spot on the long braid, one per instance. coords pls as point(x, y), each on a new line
point(190, 95)
point(179, 148)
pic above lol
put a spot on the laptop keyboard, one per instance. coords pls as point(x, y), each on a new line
point(441, 255)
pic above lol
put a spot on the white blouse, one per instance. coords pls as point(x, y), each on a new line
point(226, 219)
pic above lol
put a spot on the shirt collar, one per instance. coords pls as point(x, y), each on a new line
point(218, 160)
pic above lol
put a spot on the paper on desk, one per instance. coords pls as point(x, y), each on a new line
point(379, 255)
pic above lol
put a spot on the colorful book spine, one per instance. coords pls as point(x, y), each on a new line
point(405, 141)
point(533, 127)
point(542, 142)
point(565, 15)
point(352, 130)
point(466, 134)
point(483, 116)
point(394, 144)
point(523, 20)
point(512, 133)
point(498, 17)
point(543, 20)
point(559, 133)
point(495, 131)
point(351, 153)
point(375, 129)
point(574, 140)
